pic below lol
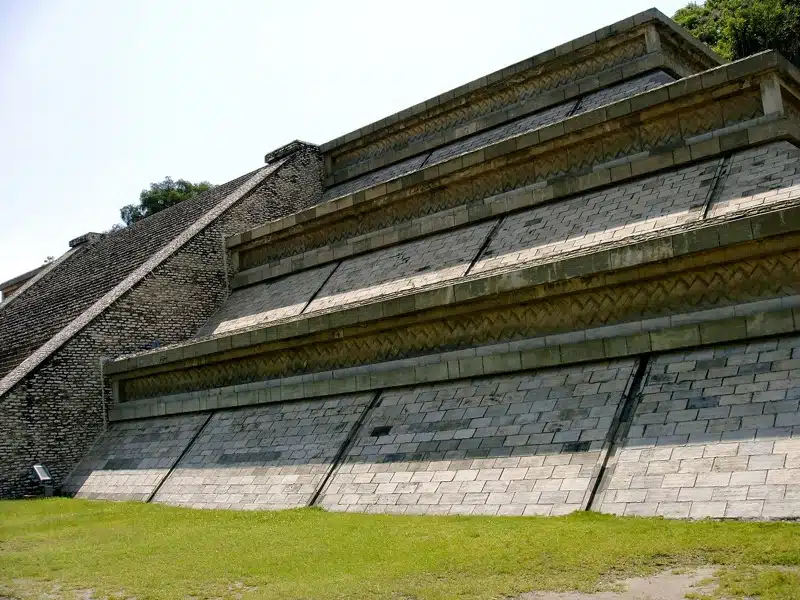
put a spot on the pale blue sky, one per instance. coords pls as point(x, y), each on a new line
point(99, 98)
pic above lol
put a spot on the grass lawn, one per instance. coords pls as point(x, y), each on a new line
point(124, 550)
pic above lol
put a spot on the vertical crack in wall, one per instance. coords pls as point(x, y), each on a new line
point(324, 283)
point(720, 175)
point(620, 426)
point(575, 107)
point(487, 240)
point(425, 162)
point(180, 458)
point(345, 447)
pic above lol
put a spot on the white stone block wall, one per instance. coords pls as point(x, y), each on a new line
point(710, 432)
point(265, 457)
point(132, 458)
point(266, 302)
point(764, 177)
point(404, 268)
point(521, 444)
point(716, 434)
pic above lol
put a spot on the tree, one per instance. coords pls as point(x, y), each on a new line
point(739, 28)
point(161, 195)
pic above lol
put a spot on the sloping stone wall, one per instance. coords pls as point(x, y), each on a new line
point(708, 432)
point(266, 302)
point(88, 272)
point(524, 444)
point(402, 268)
point(55, 414)
point(716, 434)
point(269, 457)
point(502, 132)
point(748, 182)
point(132, 459)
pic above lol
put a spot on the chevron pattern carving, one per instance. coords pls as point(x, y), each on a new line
point(534, 84)
point(714, 286)
point(505, 174)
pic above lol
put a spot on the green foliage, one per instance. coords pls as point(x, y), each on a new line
point(52, 547)
point(161, 195)
point(739, 28)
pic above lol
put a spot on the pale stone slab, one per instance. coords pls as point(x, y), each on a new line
point(266, 457)
point(267, 302)
point(402, 269)
point(520, 444)
point(132, 458)
point(738, 460)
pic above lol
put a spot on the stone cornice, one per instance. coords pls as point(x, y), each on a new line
point(689, 330)
point(585, 142)
point(622, 262)
point(541, 63)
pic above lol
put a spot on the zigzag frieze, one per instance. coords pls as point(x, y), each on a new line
point(529, 316)
point(504, 174)
point(514, 128)
point(493, 100)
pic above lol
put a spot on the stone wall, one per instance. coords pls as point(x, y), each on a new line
point(757, 180)
point(716, 433)
point(132, 459)
point(267, 457)
point(522, 444)
point(502, 132)
point(705, 432)
point(266, 302)
point(708, 432)
point(54, 414)
point(402, 269)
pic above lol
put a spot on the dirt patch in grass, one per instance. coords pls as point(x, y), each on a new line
point(670, 585)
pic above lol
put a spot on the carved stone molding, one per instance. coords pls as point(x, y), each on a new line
point(700, 281)
point(547, 162)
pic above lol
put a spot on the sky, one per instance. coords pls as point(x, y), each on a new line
point(99, 98)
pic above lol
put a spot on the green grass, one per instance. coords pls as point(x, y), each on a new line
point(151, 551)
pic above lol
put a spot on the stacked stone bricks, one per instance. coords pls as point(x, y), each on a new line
point(572, 284)
point(716, 434)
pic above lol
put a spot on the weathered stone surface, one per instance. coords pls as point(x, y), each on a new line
point(520, 444)
point(167, 305)
point(716, 434)
point(269, 457)
point(502, 132)
point(757, 179)
point(267, 302)
point(763, 176)
point(429, 261)
point(133, 458)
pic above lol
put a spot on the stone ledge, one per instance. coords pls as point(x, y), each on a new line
point(288, 150)
point(538, 61)
point(642, 107)
point(729, 324)
point(643, 164)
point(548, 99)
point(756, 228)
